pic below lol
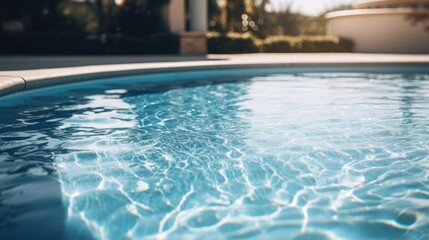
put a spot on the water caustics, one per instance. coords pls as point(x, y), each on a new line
point(309, 156)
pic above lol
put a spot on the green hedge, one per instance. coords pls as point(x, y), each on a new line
point(242, 43)
point(163, 43)
point(231, 43)
point(286, 44)
point(70, 44)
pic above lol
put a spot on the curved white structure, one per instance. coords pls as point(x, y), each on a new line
point(384, 26)
point(391, 4)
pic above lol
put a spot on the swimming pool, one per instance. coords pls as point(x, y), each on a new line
point(261, 154)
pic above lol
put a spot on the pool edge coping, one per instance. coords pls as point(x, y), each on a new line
point(15, 83)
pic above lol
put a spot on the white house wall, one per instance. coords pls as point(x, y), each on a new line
point(380, 31)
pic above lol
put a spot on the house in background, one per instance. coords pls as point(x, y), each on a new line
point(189, 19)
point(384, 26)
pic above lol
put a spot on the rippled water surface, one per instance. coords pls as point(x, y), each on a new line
point(280, 156)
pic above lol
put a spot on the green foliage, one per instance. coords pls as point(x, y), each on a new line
point(134, 17)
point(138, 17)
point(246, 43)
point(162, 43)
point(214, 16)
point(237, 15)
point(235, 10)
point(325, 44)
point(103, 27)
point(277, 44)
point(80, 16)
point(72, 43)
point(285, 44)
point(40, 15)
point(281, 21)
point(287, 22)
point(224, 43)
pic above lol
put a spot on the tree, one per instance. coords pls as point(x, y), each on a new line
point(262, 26)
point(133, 17)
point(236, 9)
point(34, 15)
point(238, 15)
point(141, 17)
point(214, 16)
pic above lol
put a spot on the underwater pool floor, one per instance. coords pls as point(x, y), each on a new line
point(275, 156)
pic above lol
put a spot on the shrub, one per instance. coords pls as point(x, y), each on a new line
point(120, 44)
point(71, 43)
point(163, 43)
point(231, 43)
point(286, 44)
point(277, 44)
point(245, 43)
point(325, 44)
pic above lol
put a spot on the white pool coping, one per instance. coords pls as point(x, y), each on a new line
point(13, 81)
point(376, 11)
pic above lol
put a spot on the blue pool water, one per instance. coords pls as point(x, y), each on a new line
point(270, 156)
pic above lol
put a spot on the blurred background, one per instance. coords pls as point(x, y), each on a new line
point(140, 26)
point(142, 17)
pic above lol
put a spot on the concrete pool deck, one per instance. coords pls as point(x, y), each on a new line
point(20, 73)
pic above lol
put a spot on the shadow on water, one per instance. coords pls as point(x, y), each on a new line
point(30, 194)
point(31, 203)
point(31, 207)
